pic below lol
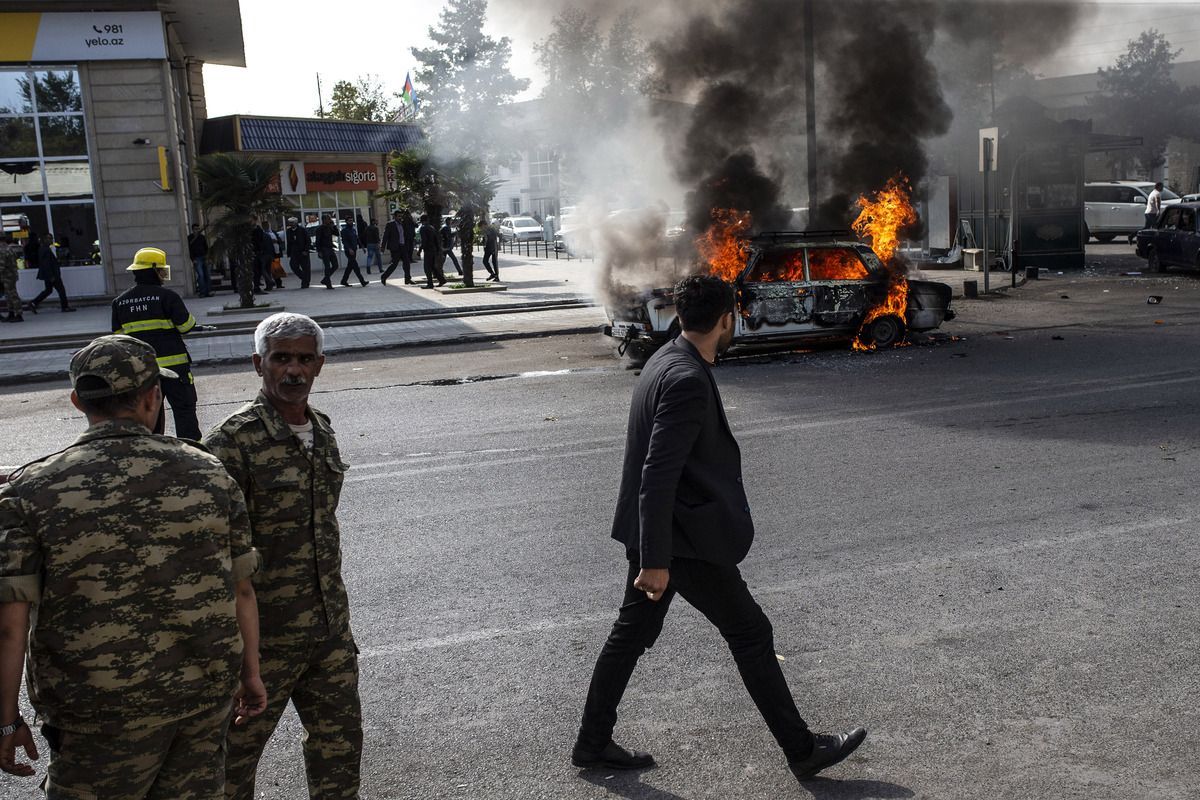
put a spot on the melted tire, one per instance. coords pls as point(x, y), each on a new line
point(887, 331)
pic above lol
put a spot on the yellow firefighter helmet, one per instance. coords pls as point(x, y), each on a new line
point(151, 258)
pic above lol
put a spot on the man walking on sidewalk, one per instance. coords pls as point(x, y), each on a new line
point(684, 519)
point(394, 242)
point(298, 248)
point(429, 252)
point(50, 274)
point(8, 277)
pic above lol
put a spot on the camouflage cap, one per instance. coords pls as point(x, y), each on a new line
point(122, 362)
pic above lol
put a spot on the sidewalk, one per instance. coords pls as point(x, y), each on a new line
point(543, 297)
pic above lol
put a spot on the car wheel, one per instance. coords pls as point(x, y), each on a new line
point(1154, 263)
point(1105, 237)
point(886, 331)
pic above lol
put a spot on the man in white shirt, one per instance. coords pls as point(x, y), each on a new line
point(1154, 205)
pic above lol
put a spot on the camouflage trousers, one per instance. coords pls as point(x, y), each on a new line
point(322, 683)
point(182, 760)
point(11, 296)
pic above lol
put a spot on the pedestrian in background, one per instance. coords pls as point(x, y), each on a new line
point(350, 245)
point(395, 241)
point(684, 520)
point(429, 254)
point(198, 253)
point(283, 453)
point(448, 247)
point(275, 269)
point(50, 274)
point(157, 316)
point(325, 249)
point(491, 243)
point(135, 551)
point(410, 234)
point(299, 245)
point(262, 266)
point(8, 277)
point(371, 242)
point(1154, 205)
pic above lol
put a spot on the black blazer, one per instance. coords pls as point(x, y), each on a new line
point(298, 242)
point(681, 485)
point(393, 236)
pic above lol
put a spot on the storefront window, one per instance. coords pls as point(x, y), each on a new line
point(17, 138)
point(45, 175)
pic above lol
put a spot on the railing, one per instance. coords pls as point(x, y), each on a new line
point(536, 248)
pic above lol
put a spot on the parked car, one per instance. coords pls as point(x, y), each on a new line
point(1118, 208)
point(795, 288)
point(520, 229)
point(1173, 241)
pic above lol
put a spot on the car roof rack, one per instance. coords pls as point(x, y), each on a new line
point(828, 234)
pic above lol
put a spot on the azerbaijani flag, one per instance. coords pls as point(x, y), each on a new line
point(408, 96)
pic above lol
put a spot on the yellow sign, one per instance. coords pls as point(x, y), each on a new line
point(84, 36)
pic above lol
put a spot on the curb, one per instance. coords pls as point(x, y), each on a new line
point(43, 377)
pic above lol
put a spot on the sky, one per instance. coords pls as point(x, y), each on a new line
point(376, 37)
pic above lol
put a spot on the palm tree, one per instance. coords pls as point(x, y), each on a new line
point(468, 183)
point(432, 183)
point(234, 191)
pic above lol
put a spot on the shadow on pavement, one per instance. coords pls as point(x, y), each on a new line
point(626, 784)
point(832, 789)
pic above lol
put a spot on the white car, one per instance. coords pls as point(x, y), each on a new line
point(520, 229)
point(1118, 208)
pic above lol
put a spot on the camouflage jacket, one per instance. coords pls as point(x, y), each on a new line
point(292, 495)
point(8, 263)
point(129, 544)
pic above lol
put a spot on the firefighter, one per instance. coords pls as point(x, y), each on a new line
point(156, 315)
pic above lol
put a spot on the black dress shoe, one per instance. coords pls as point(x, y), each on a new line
point(406, 280)
point(613, 756)
point(364, 283)
point(828, 749)
point(67, 310)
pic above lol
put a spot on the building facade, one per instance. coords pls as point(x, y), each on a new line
point(101, 108)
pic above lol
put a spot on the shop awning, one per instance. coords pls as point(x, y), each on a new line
point(241, 133)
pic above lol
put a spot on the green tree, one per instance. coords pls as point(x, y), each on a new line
point(465, 82)
point(365, 99)
point(234, 192)
point(1138, 97)
point(432, 183)
point(593, 81)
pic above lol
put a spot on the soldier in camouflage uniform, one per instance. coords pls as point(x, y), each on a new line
point(136, 550)
point(283, 454)
point(8, 277)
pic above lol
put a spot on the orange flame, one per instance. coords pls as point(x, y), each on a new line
point(721, 245)
point(882, 219)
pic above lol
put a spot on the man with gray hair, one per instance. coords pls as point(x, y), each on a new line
point(283, 454)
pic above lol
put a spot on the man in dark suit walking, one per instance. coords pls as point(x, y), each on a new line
point(683, 517)
point(394, 243)
point(299, 246)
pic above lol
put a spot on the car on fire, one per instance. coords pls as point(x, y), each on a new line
point(1174, 241)
point(799, 288)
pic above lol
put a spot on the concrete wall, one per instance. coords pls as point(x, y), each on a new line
point(123, 101)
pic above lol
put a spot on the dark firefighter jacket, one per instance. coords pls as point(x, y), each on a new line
point(158, 317)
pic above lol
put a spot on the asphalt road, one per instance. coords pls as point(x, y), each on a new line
point(981, 547)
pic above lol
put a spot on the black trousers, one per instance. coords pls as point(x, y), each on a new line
point(450, 255)
point(181, 394)
point(262, 273)
point(494, 269)
point(720, 594)
point(55, 285)
point(302, 268)
point(329, 259)
point(397, 257)
point(433, 270)
point(351, 266)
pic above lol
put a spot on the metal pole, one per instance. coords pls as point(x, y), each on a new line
point(987, 167)
point(810, 108)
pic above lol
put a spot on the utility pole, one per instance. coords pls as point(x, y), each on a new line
point(320, 102)
point(810, 108)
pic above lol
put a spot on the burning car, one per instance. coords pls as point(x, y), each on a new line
point(798, 288)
